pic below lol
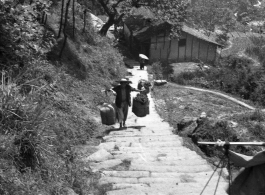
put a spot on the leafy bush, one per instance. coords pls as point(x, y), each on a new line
point(157, 70)
point(233, 75)
point(257, 49)
point(46, 106)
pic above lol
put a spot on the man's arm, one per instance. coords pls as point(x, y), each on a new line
point(247, 161)
point(110, 90)
point(137, 90)
point(244, 160)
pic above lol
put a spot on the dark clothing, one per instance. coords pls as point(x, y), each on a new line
point(251, 180)
point(142, 63)
point(141, 66)
point(118, 90)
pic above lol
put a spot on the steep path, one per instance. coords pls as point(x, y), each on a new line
point(148, 159)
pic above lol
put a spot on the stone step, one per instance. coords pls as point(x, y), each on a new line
point(162, 189)
point(143, 138)
point(158, 153)
point(138, 133)
point(149, 144)
point(168, 181)
point(154, 157)
point(166, 168)
point(193, 162)
point(141, 174)
point(146, 191)
point(157, 149)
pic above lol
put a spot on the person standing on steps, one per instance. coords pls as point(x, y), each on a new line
point(142, 63)
point(250, 180)
point(123, 100)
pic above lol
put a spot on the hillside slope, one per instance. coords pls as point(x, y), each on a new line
point(49, 104)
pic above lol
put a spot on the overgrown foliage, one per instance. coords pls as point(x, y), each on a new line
point(233, 75)
point(48, 108)
point(173, 12)
point(257, 49)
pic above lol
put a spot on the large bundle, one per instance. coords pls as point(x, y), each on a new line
point(144, 83)
point(108, 114)
point(140, 105)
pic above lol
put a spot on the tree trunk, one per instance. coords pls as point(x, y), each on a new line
point(46, 17)
point(64, 28)
point(73, 18)
point(103, 31)
point(61, 21)
point(84, 28)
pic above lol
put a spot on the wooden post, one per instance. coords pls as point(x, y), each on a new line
point(185, 56)
point(178, 50)
point(156, 41)
point(164, 40)
point(207, 51)
point(192, 47)
point(199, 48)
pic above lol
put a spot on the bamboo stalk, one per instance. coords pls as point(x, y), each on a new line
point(236, 143)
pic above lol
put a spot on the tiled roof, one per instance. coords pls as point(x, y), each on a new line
point(143, 31)
point(200, 35)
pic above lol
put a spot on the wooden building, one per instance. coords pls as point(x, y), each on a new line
point(154, 42)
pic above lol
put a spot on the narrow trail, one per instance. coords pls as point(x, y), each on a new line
point(217, 93)
point(146, 158)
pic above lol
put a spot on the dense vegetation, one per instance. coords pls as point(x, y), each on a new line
point(50, 90)
point(234, 74)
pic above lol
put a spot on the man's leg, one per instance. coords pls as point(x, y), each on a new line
point(120, 116)
point(125, 109)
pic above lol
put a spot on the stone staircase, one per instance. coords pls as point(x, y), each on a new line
point(146, 158)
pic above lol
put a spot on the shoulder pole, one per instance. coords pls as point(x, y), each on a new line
point(236, 143)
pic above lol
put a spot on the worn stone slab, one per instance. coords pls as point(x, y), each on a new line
point(100, 155)
point(167, 190)
point(150, 144)
point(107, 180)
point(119, 186)
point(157, 144)
point(154, 157)
point(158, 149)
point(138, 133)
point(180, 169)
point(179, 162)
point(129, 174)
point(108, 146)
point(143, 138)
point(157, 153)
point(105, 164)
point(127, 191)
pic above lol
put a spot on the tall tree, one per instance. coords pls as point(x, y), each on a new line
point(211, 14)
point(173, 12)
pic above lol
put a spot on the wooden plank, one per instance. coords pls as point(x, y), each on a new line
point(192, 47)
point(199, 48)
point(164, 40)
point(207, 51)
point(185, 55)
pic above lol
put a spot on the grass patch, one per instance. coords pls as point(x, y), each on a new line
point(49, 108)
point(174, 103)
